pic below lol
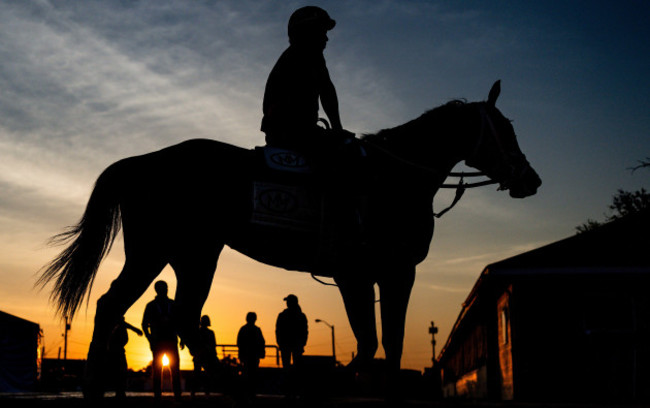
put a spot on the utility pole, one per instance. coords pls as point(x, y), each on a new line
point(434, 371)
point(433, 330)
point(65, 337)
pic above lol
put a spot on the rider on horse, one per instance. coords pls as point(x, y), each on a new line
point(294, 87)
point(296, 83)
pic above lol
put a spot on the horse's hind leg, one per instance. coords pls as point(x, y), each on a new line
point(194, 272)
point(136, 276)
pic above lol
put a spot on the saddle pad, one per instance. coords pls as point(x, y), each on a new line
point(286, 160)
point(286, 206)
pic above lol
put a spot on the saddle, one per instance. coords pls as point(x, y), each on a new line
point(283, 192)
point(289, 194)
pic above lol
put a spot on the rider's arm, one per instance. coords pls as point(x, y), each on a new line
point(330, 101)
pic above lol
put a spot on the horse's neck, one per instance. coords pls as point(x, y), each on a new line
point(435, 142)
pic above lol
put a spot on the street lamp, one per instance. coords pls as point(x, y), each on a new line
point(333, 338)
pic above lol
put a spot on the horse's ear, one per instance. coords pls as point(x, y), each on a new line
point(494, 93)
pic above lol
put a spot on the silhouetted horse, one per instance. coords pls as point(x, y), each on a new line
point(182, 204)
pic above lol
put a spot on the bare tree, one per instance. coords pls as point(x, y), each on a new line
point(623, 203)
point(642, 163)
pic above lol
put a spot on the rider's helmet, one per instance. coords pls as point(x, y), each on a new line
point(309, 17)
point(205, 321)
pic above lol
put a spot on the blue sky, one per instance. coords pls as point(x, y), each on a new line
point(83, 84)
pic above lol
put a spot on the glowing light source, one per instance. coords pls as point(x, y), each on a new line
point(165, 360)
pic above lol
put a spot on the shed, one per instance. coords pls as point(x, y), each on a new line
point(569, 321)
point(20, 353)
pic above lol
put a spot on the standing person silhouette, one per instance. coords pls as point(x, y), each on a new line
point(251, 345)
point(159, 328)
point(206, 358)
point(296, 84)
point(117, 355)
point(291, 332)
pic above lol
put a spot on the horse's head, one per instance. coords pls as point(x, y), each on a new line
point(497, 153)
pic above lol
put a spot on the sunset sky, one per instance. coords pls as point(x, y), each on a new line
point(84, 84)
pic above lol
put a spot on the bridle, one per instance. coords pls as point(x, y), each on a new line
point(487, 127)
point(486, 123)
point(507, 158)
point(487, 130)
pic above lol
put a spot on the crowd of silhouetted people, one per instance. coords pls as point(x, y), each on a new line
point(160, 329)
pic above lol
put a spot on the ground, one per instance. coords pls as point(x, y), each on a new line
point(145, 400)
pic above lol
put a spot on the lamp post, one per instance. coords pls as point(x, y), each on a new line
point(333, 338)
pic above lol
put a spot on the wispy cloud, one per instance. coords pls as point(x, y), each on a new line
point(88, 84)
point(74, 82)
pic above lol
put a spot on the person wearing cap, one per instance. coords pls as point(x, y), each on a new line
point(291, 332)
point(297, 82)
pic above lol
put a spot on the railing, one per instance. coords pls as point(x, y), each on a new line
point(232, 349)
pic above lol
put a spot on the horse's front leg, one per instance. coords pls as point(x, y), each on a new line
point(359, 300)
point(395, 291)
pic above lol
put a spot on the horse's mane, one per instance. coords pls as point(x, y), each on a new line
point(424, 120)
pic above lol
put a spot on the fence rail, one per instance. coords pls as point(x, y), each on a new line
point(232, 349)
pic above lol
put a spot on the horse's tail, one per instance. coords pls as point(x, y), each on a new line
point(73, 270)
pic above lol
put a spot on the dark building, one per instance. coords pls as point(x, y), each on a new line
point(569, 321)
point(20, 354)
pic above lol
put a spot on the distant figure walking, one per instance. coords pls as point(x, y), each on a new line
point(117, 355)
point(251, 345)
point(206, 359)
point(291, 332)
point(160, 330)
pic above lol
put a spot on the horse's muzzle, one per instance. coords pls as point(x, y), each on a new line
point(525, 184)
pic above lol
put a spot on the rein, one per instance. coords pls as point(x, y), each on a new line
point(429, 170)
point(461, 186)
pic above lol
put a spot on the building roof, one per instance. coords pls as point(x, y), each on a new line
point(7, 319)
point(618, 246)
point(620, 243)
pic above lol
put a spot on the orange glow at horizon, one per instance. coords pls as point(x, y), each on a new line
point(237, 289)
point(165, 360)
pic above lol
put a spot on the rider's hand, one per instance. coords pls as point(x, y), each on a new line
point(343, 134)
